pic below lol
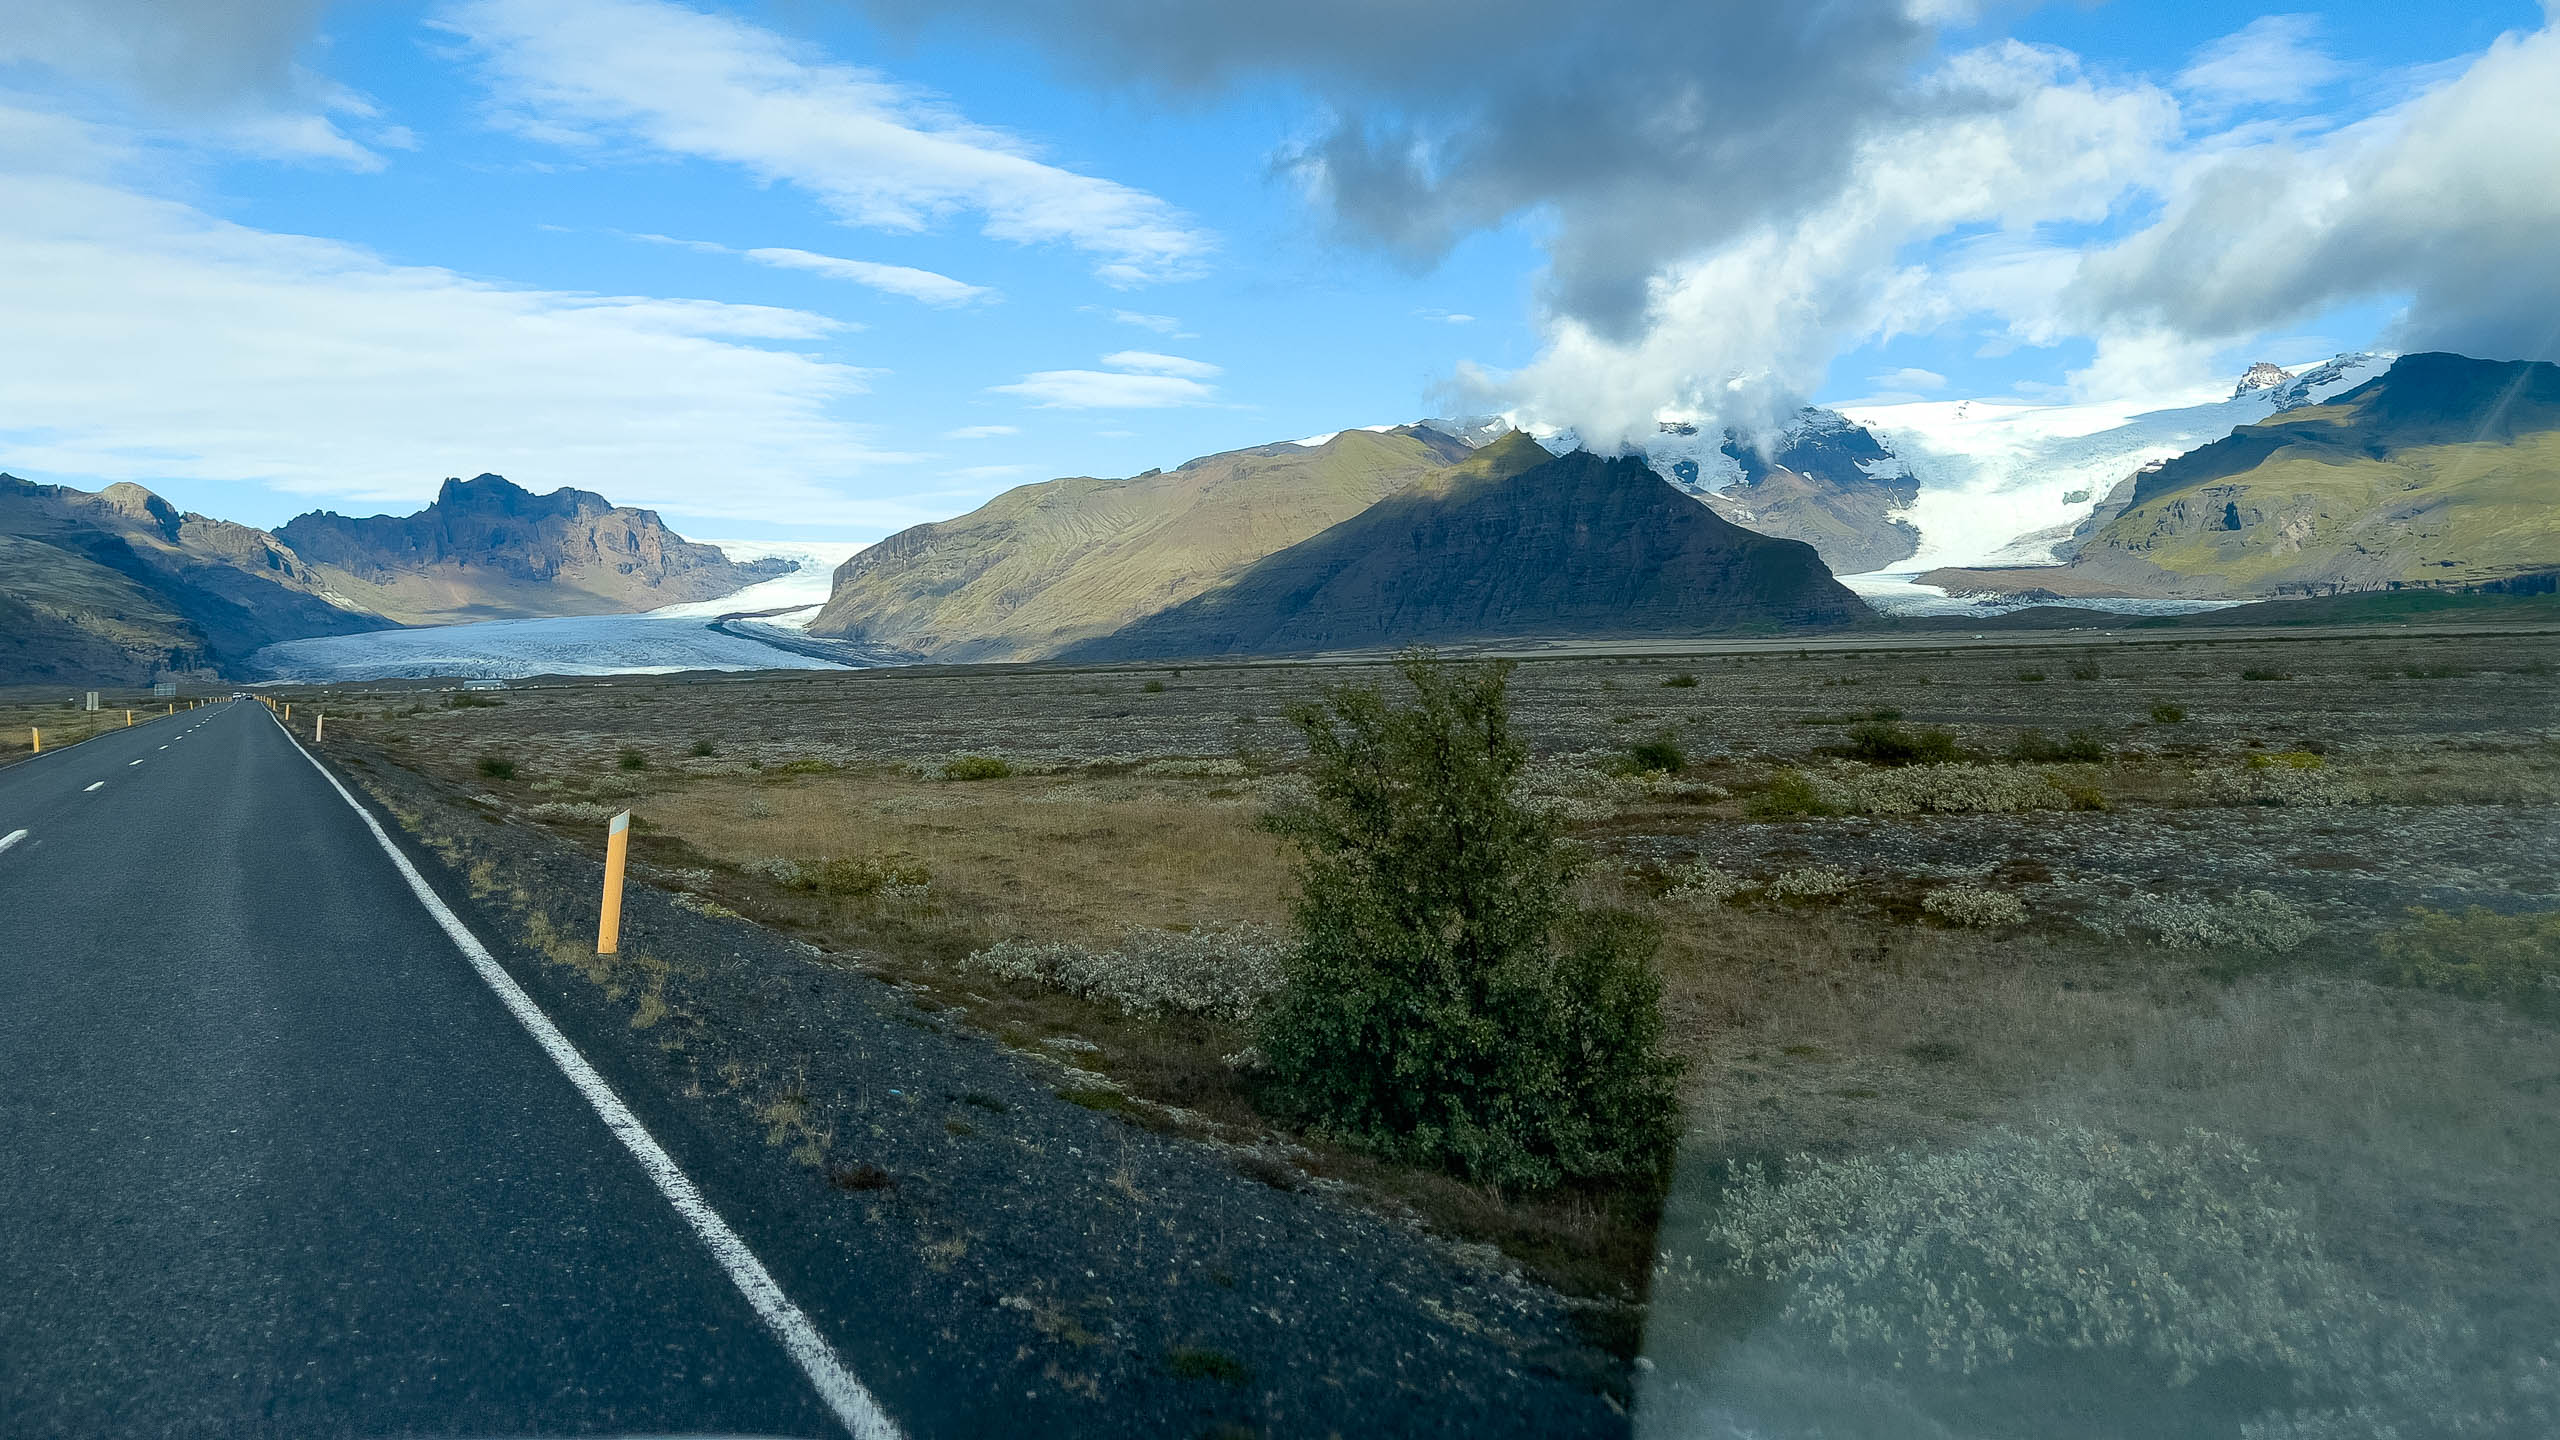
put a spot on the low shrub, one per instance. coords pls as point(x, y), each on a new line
point(2479, 953)
point(1216, 768)
point(1942, 790)
point(573, 812)
point(1663, 754)
point(704, 749)
point(466, 700)
point(1152, 687)
point(2261, 672)
point(1699, 883)
point(860, 877)
point(2164, 713)
point(2292, 778)
point(1682, 681)
point(2062, 1243)
point(497, 767)
point(866, 877)
point(2287, 760)
point(789, 874)
point(632, 758)
point(1789, 793)
point(1448, 1003)
point(1810, 882)
point(1974, 905)
point(2087, 670)
point(976, 767)
point(1218, 974)
point(2031, 676)
point(1882, 742)
point(2250, 920)
point(2082, 746)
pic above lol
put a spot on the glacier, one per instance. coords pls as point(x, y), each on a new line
point(656, 642)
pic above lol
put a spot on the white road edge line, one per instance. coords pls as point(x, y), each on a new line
point(12, 838)
point(836, 1385)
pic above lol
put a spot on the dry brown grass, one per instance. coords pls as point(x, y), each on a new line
point(1059, 858)
point(64, 725)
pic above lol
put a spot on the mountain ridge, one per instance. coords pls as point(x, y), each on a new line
point(1048, 564)
point(1506, 545)
point(489, 549)
point(118, 585)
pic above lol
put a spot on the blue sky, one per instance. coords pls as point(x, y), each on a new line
point(816, 270)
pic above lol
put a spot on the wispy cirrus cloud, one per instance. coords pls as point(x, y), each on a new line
point(928, 286)
point(878, 153)
point(321, 370)
point(2274, 59)
point(1151, 363)
point(1137, 380)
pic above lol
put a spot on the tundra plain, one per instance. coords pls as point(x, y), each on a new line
point(2283, 892)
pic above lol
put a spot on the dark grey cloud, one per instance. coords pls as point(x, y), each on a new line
point(1647, 130)
point(196, 56)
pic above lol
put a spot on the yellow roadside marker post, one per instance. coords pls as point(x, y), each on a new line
point(35, 738)
point(617, 849)
point(317, 726)
point(128, 719)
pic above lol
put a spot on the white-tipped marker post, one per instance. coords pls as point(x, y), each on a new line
point(617, 849)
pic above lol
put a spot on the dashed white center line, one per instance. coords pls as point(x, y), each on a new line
point(137, 762)
point(12, 838)
point(94, 784)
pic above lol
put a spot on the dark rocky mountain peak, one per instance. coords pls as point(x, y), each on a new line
point(490, 549)
point(1509, 544)
point(2261, 376)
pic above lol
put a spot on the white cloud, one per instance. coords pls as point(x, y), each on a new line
point(1149, 362)
point(218, 75)
point(1161, 324)
point(878, 153)
point(2449, 201)
point(2016, 137)
point(1106, 390)
point(981, 432)
point(180, 346)
point(1446, 317)
point(915, 284)
point(1909, 378)
point(2273, 60)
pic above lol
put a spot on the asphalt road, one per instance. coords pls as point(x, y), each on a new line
point(275, 1160)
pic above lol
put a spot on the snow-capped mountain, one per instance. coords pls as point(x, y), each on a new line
point(1913, 486)
point(1821, 479)
point(2003, 482)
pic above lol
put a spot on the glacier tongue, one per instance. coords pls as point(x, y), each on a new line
point(676, 637)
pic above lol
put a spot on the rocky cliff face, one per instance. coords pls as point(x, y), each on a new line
point(1048, 565)
point(119, 585)
point(1510, 545)
point(488, 549)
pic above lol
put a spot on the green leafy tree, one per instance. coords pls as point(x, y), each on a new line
point(1447, 1004)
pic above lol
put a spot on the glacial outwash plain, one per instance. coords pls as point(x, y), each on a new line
point(1919, 900)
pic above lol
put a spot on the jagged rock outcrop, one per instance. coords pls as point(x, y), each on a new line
point(488, 549)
